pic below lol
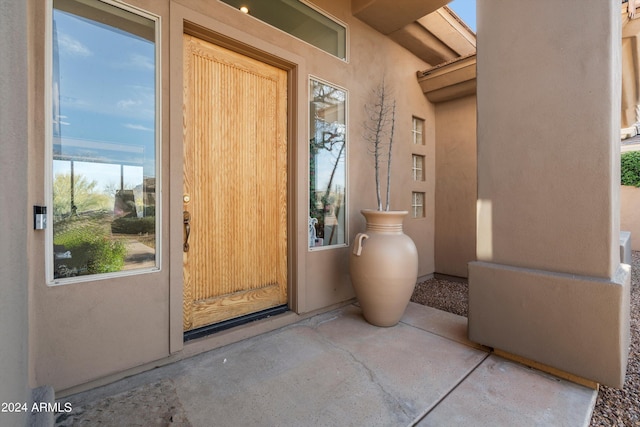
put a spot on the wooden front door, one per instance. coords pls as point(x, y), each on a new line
point(235, 184)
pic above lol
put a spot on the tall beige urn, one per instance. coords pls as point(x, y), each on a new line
point(384, 267)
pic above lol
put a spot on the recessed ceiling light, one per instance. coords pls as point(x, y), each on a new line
point(244, 9)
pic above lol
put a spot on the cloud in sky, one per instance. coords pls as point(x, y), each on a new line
point(127, 104)
point(135, 61)
point(72, 102)
point(138, 106)
point(72, 47)
point(142, 61)
point(138, 127)
point(137, 101)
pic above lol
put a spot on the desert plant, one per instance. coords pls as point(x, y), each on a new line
point(378, 133)
point(86, 196)
point(630, 168)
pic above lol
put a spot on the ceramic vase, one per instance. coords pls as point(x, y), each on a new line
point(384, 267)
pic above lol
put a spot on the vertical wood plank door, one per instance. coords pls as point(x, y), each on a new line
point(235, 184)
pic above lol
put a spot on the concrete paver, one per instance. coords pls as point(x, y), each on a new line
point(504, 393)
point(337, 370)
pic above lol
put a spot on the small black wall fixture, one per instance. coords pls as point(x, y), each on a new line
point(39, 217)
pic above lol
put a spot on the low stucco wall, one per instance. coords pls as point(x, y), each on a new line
point(630, 213)
point(510, 309)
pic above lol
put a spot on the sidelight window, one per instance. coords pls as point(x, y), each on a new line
point(327, 170)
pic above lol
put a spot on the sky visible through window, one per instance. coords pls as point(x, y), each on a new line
point(95, 105)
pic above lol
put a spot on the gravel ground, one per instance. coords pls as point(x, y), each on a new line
point(613, 407)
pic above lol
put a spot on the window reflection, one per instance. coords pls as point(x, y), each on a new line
point(327, 172)
point(104, 139)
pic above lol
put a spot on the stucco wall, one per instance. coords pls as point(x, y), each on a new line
point(537, 202)
point(630, 213)
point(548, 284)
point(82, 331)
point(456, 186)
point(85, 331)
point(15, 214)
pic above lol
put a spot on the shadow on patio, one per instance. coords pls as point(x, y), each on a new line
point(335, 369)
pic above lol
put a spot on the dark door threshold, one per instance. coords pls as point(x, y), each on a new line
point(232, 323)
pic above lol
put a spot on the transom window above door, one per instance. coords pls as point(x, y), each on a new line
point(300, 20)
point(103, 140)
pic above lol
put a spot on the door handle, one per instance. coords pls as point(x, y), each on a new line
point(186, 219)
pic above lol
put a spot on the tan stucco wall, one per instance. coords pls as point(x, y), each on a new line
point(548, 218)
point(82, 331)
point(630, 64)
point(630, 213)
point(14, 211)
point(575, 324)
point(86, 331)
point(456, 186)
point(534, 177)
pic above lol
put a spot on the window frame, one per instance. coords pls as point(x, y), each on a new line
point(415, 132)
point(417, 172)
point(346, 163)
point(320, 11)
point(415, 205)
point(48, 147)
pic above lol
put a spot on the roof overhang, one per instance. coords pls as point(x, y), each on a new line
point(432, 32)
point(427, 28)
point(388, 16)
point(450, 80)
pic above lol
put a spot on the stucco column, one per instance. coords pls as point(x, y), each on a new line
point(14, 268)
point(548, 284)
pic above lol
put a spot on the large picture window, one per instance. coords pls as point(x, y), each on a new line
point(103, 140)
point(327, 170)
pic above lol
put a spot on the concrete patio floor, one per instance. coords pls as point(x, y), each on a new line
point(335, 369)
